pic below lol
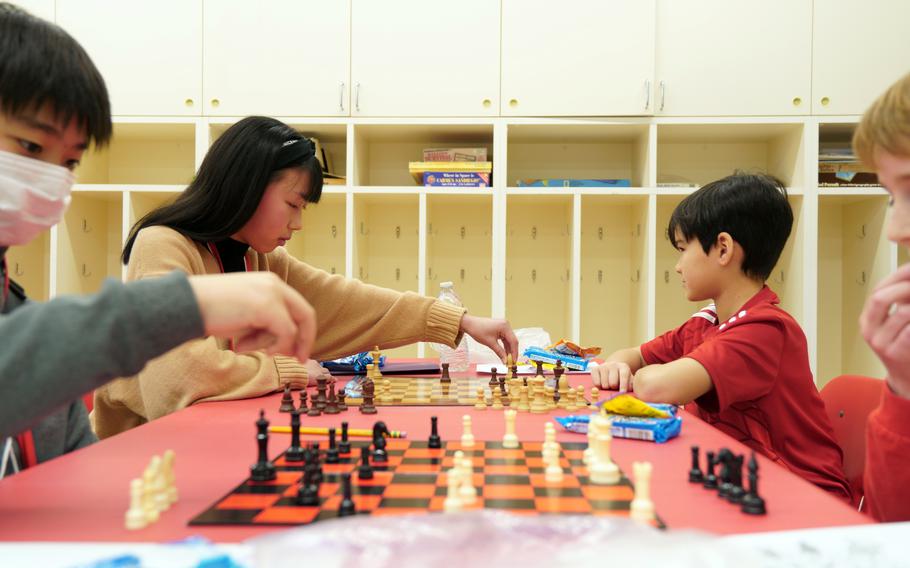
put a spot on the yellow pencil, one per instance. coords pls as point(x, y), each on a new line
point(353, 432)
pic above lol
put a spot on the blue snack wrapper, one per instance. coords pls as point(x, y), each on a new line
point(632, 427)
point(353, 363)
point(551, 356)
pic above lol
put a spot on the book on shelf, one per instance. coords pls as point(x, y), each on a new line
point(456, 179)
point(418, 169)
point(455, 155)
point(573, 182)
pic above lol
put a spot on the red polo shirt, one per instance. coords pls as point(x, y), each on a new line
point(763, 394)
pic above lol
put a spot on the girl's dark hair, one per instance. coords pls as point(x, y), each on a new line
point(42, 64)
point(753, 208)
point(232, 179)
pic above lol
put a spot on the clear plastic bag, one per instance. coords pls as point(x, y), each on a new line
point(527, 337)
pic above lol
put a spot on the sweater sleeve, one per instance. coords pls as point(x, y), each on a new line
point(353, 316)
point(93, 339)
point(887, 474)
point(197, 371)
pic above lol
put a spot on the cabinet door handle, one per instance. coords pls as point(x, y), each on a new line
point(647, 94)
point(341, 97)
point(663, 94)
point(357, 97)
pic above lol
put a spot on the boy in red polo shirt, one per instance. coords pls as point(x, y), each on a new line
point(742, 360)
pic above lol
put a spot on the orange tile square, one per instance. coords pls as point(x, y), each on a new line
point(504, 454)
point(608, 492)
point(381, 512)
point(418, 468)
point(508, 492)
point(410, 491)
point(563, 505)
point(279, 515)
point(436, 503)
point(506, 470)
point(366, 502)
point(248, 501)
point(326, 489)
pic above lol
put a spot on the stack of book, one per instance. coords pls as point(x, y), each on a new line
point(838, 166)
point(452, 167)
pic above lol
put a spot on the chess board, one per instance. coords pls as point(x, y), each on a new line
point(431, 391)
point(414, 481)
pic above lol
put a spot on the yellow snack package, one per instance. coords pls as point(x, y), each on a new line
point(627, 405)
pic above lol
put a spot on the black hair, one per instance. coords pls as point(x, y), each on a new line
point(42, 64)
point(232, 180)
point(752, 208)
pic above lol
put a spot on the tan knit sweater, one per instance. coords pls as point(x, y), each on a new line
point(351, 317)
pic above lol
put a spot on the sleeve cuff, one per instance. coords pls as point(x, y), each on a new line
point(290, 371)
point(444, 323)
point(893, 412)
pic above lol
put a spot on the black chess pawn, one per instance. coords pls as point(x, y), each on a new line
point(331, 454)
point(695, 474)
point(295, 452)
point(302, 407)
point(752, 504)
point(365, 470)
point(724, 457)
point(308, 491)
point(514, 369)
point(502, 388)
point(445, 373)
point(380, 431)
point(263, 469)
point(320, 399)
point(710, 481)
point(347, 508)
point(331, 403)
point(344, 446)
point(736, 491)
point(539, 368)
point(493, 380)
point(342, 403)
point(315, 462)
point(287, 402)
point(435, 442)
point(367, 406)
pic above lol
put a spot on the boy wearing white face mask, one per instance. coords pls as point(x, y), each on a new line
point(53, 102)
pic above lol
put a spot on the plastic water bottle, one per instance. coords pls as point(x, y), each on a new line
point(458, 358)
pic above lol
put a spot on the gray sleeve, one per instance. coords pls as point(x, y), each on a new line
point(53, 352)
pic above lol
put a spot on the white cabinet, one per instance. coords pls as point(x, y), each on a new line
point(584, 58)
point(149, 51)
point(418, 58)
point(733, 57)
point(859, 50)
point(290, 59)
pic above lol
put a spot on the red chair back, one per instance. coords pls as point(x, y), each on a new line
point(849, 399)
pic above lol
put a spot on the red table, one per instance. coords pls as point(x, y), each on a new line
point(83, 496)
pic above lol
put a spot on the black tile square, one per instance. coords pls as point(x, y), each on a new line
point(368, 489)
point(226, 517)
point(524, 504)
point(610, 505)
point(404, 503)
point(260, 489)
point(507, 480)
point(415, 478)
point(558, 492)
point(505, 461)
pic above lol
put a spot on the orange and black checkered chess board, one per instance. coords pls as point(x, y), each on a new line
point(431, 391)
point(414, 481)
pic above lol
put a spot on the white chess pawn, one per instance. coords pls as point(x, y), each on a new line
point(642, 508)
point(149, 506)
point(553, 472)
point(159, 487)
point(603, 471)
point(510, 440)
point(593, 428)
point(549, 438)
point(452, 503)
point(135, 515)
point(467, 493)
point(467, 438)
point(168, 461)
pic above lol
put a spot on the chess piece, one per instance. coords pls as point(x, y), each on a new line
point(502, 390)
point(752, 504)
point(346, 508)
point(510, 374)
point(497, 398)
point(314, 407)
point(332, 454)
point(710, 481)
point(736, 492)
point(287, 403)
point(539, 369)
point(367, 406)
point(467, 438)
point(549, 439)
point(376, 354)
point(593, 430)
point(481, 403)
point(331, 403)
point(467, 493)
point(342, 403)
point(380, 431)
point(302, 407)
point(344, 446)
point(308, 491)
point(553, 472)
point(452, 502)
point(135, 515)
point(364, 470)
point(149, 508)
point(168, 464)
point(595, 394)
point(695, 474)
point(320, 400)
point(726, 472)
point(602, 470)
point(510, 439)
point(570, 400)
point(315, 463)
point(295, 452)
point(263, 469)
point(445, 373)
point(386, 391)
point(539, 404)
point(642, 508)
point(159, 485)
point(523, 405)
point(562, 383)
point(580, 401)
point(435, 442)
point(557, 399)
point(494, 380)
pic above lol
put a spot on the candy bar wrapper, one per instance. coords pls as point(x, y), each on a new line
point(633, 427)
point(357, 363)
point(564, 347)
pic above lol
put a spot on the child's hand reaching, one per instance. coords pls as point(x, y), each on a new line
point(885, 325)
point(613, 375)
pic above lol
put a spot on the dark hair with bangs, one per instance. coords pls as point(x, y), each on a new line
point(752, 208)
point(40, 64)
point(232, 180)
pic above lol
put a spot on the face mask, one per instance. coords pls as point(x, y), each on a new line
point(33, 197)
